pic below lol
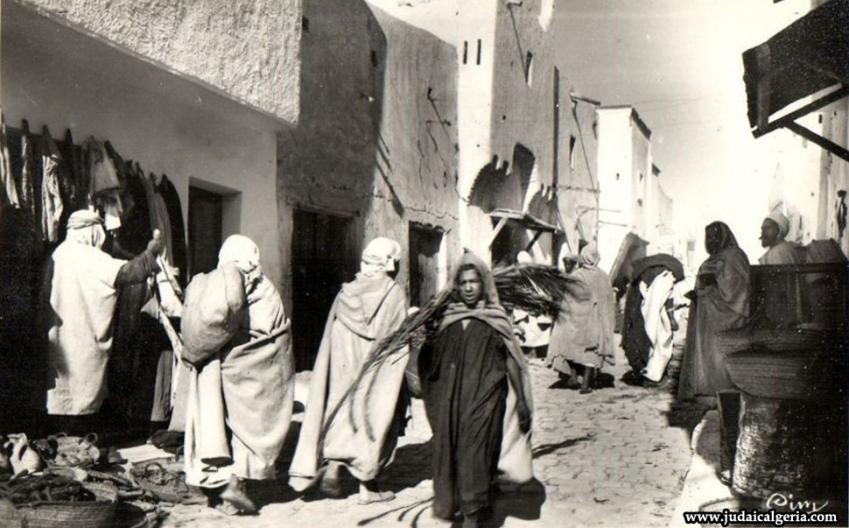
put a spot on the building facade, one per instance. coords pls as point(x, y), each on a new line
point(374, 154)
point(624, 164)
point(525, 144)
point(129, 72)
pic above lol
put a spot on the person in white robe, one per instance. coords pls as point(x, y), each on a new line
point(658, 324)
point(78, 303)
point(363, 433)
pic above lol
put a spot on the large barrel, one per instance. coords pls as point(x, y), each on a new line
point(790, 446)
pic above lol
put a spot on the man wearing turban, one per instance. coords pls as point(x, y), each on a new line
point(773, 231)
point(79, 290)
point(362, 435)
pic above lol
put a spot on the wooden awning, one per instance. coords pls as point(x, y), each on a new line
point(807, 58)
point(524, 220)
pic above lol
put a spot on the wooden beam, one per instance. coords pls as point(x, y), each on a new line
point(813, 137)
point(801, 112)
point(498, 228)
point(533, 240)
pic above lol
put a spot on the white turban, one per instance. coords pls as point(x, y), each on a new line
point(382, 253)
point(86, 227)
point(782, 221)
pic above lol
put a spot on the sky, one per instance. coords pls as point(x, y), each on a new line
point(679, 64)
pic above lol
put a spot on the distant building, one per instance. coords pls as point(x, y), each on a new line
point(624, 166)
point(578, 192)
point(525, 144)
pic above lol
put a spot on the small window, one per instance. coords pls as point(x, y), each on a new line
point(529, 68)
point(479, 52)
point(373, 56)
point(572, 143)
point(641, 179)
point(305, 24)
point(617, 176)
point(640, 202)
point(819, 118)
point(465, 51)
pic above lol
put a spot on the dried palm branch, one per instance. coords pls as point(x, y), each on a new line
point(390, 345)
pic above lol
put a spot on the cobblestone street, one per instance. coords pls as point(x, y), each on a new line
point(616, 457)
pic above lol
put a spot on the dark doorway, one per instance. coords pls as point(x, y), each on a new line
point(205, 232)
point(424, 263)
point(320, 264)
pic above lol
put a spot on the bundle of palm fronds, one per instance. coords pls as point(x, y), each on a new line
point(534, 288)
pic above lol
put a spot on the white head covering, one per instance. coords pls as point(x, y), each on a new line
point(783, 223)
point(86, 227)
point(523, 257)
point(242, 251)
point(381, 254)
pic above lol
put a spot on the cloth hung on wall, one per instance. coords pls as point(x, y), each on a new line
point(78, 182)
point(6, 178)
point(136, 229)
point(27, 193)
point(171, 198)
point(101, 170)
point(158, 214)
point(52, 207)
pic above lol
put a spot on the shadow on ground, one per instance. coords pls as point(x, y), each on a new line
point(522, 502)
point(685, 415)
point(545, 449)
point(603, 380)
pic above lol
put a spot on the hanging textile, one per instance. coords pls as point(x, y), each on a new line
point(51, 198)
point(76, 173)
point(178, 234)
point(27, 178)
point(6, 178)
point(118, 163)
point(136, 229)
point(101, 170)
point(159, 215)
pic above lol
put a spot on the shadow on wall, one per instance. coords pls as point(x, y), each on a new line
point(327, 165)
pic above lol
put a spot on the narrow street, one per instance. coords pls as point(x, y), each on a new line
point(615, 457)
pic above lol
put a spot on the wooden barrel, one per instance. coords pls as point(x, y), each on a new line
point(788, 446)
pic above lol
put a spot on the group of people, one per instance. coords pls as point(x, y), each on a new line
point(236, 347)
point(720, 302)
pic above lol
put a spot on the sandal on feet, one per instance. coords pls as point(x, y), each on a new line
point(235, 495)
point(375, 496)
point(227, 509)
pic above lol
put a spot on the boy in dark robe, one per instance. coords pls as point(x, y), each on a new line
point(477, 396)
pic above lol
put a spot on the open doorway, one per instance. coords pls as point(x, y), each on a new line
point(206, 217)
point(424, 263)
point(320, 264)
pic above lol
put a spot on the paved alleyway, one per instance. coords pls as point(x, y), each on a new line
point(610, 458)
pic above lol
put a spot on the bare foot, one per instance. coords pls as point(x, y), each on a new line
point(380, 496)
